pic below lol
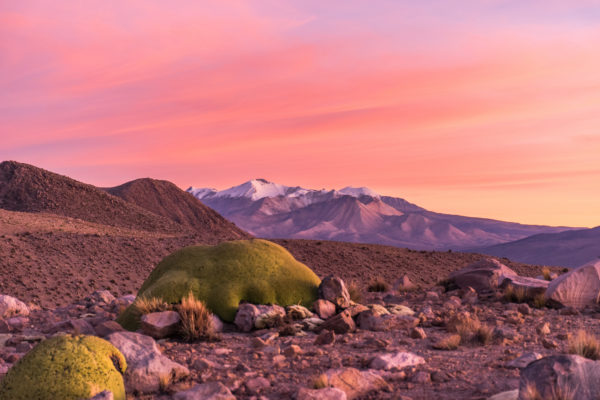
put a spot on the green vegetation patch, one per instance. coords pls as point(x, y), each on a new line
point(66, 367)
point(256, 271)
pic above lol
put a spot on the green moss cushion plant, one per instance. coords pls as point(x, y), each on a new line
point(66, 367)
point(256, 271)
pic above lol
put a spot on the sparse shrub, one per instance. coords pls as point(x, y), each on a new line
point(378, 285)
point(465, 324)
point(546, 273)
point(539, 301)
point(515, 294)
point(585, 345)
point(196, 320)
point(149, 305)
point(320, 382)
point(484, 335)
point(163, 383)
point(355, 292)
point(450, 342)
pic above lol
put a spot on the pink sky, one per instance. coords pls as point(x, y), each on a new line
point(488, 109)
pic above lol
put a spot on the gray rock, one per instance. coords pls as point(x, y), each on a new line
point(107, 327)
point(324, 308)
point(10, 307)
point(218, 325)
point(296, 312)
point(484, 275)
point(397, 361)
point(524, 360)
point(75, 326)
point(399, 309)
point(245, 317)
point(355, 383)
point(561, 376)
point(102, 296)
point(577, 288)
point(146, 366)
point(257, 385)
point(160, 324)
point(269, 316)
point(321, 394)
point(206, 391)
point(334, 290)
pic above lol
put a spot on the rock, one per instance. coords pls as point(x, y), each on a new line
point(399, 309)
point(269, 316)
point(334, 290)
point(340, 323)
point(107, 327)
point(418, 333)
point(549, 343)
point(126, 300)
point(257, 385)
point(296, 312)
point(101, 296)
point(75, 326)
point(508, 395)
point(524, 309)
point(355, 383)
point(404, 283)
point(421, 377)
point(325, 309)
point(245, 317)
point(469, 295)
point(561, 375)
point(16, 323)
point(504, 332)
point(291, 330)
point(543, 329)
point(396, 361)
point(523, 361)
point(356, 309)
point(146, 366)
point(218, 325)
point(23, 347)
point(104, 395)
point(292, 350)
point(202, 364)
point(312, 324)
point(160, 324)
point(531, 286)
point(484, 275)
point(321, 394)
point(577, 288)
point(10, 307)
point(324, 338)
point(370, 320)
point(430, 295)
point(205, 391)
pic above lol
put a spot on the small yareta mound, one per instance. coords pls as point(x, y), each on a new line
point(66, 367)
point(255, 271)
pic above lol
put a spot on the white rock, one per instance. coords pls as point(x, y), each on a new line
point(10, 306)
point(206, 391)
point(145, 363)
point(396, 361)
point(577, 288)
point(321, 394)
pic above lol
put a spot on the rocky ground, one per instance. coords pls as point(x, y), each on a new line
point(380, 351)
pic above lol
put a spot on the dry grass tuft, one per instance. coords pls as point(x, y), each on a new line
point(378, 285)
point(585, 345)
point(196, 319)
point(448, 343)
point(484, 335)
point(355, 292)
point(320, 382)
point(546, 273)
point(149, 305)
point(465, 324)
point(539, 301)
point(515, 294)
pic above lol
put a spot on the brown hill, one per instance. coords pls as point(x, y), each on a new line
point(27, 188)
point(165, 199)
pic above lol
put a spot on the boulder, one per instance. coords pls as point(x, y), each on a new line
point(160, 324)
point(245, 317)
point(483, 275)
point(329, 393)
point(396, 361)
point(205, 391)
point(561, 376)
point(524, 360)
point(371, 320)
point(355, 383)
point(269, 316)
point(10, 307)
point(340, 323)
point(531, 286)
point(107, 327)
point(324, 308)
point(577, 288)
point(147, 367)
point(334, 289)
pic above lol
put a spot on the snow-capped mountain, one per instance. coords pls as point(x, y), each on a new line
point(354, 214)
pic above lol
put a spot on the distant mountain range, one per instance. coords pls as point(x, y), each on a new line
point(271, 210)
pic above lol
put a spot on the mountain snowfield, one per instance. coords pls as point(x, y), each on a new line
point(352, 214)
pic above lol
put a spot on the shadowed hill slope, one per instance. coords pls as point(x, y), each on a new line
point(165, 199)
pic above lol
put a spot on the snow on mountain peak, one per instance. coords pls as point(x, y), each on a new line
point(255, 189)
point(358, 191)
